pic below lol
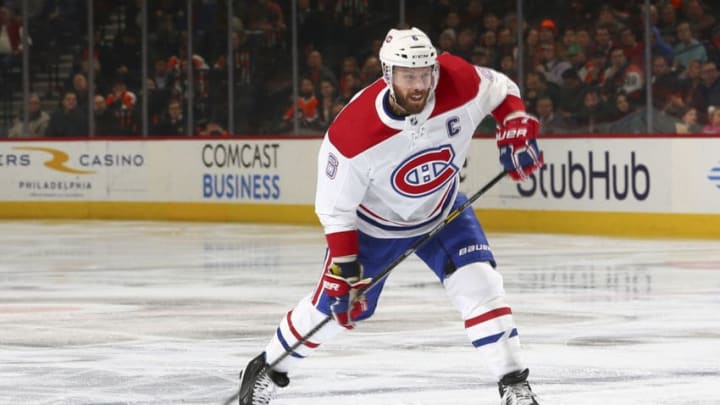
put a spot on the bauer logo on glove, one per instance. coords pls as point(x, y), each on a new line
point(512, 133)
point(344, 283)
point(519, 153)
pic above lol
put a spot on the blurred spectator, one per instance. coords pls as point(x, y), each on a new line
point(177, 65)
point(713, 125)
point(121, 104)
point(623, 75)
point(466, 42)
point(507, 66)
point(687, 47)
point(708, 93)
point(316, 71)
point(551, 65)
point(172, 122)
point(634, 49)
point(79, 85)
point(658, 45)
point(591, 73)
point(491, 22)
point(156, 101)
point(213, 129)
point(326, 101)
point(197, 74)
point(550, 121)
point(602, 40)
point(37, 123)
point(472, 15)
point(548, 32)
point(664, 81)
point(101, 55)
point(619, 107)
point(532, 49)
point(352, 86)
point(104, 121)
point(535, 86)
point(688, 121)
point(690, 81)
point(569, 38)
point(505, 42)
point(481, 56)
point(160, 74)
point(667, 21)
point(571, 93)
point(489, 43)
point(713, 47)
point(306, 105)
point(372, 50)
point(592, 112)
point(609, 17)
point(452, 20)
point(349, 72)
point(700, 18)
point(447, 41)
point(370, 71)
point(674, 105)
point(510, 21)
point(337, 107)
point(577, 57)
point(10, 39)
point(67, 121)
point(584, 39)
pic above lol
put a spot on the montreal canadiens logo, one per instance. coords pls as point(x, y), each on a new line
point(424, 172)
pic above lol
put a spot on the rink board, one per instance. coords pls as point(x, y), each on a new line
point(666, 186)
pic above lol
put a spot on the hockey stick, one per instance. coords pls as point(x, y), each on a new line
point(383, 274)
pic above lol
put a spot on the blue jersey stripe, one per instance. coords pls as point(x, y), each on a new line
point(379, 225)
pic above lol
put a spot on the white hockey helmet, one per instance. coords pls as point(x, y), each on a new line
point(407, 48)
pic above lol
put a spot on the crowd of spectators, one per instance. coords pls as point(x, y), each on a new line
point(583, 62)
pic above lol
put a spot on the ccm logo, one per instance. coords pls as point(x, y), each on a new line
point(512, 133)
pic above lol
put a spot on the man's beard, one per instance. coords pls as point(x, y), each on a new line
point(409, 106)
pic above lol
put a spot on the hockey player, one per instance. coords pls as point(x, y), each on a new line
point(387, 174)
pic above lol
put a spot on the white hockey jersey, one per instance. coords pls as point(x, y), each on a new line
point(391, 176)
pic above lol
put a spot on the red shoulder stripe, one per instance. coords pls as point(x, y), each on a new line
point(459, 83)
point(358, 127)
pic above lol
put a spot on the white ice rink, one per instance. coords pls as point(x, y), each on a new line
point(166, 313)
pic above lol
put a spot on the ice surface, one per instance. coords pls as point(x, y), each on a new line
point(102, 312)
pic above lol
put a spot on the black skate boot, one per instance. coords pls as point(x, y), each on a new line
point(258, 383)
point(515, 390)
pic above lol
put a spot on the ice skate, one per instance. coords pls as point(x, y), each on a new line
point(515, 390)
point(258, 383)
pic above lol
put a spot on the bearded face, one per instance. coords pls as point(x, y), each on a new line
point(412, 88)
